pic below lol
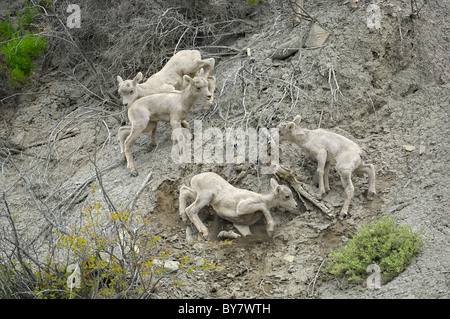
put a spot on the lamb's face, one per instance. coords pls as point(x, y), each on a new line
point(285, 130)
point(285, 198)
point(200, 87)
point(128, 92)
point(128, 89)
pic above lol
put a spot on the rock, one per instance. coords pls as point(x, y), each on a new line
point(316, 36)
point(421, 149)
point(168, 265)
point(288, 258)
point(408, 147)
point(189, 235)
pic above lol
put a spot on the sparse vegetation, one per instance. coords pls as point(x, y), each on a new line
point(382, 242)
point(110, 258)
point(384, 87)
point(20, 45)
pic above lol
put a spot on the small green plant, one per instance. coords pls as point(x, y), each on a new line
point(20, 45)
point(381, 242)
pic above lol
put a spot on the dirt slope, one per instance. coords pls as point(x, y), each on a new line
point(385, 88)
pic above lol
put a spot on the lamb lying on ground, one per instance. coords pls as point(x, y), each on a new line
point(172, 107)
point(169, 78)
point(239, 206)
point(327, 147)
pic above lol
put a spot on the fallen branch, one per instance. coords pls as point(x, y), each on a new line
point(287, 175)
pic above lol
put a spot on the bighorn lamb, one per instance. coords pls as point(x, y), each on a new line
point(327, 147)
point(169, 78)
point(239, 206)
point(172, 107)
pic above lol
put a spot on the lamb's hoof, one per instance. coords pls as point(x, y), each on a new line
point(342, 216)
point(270, 233)
point(371, 195)
point(206, 238)
point(134, 174)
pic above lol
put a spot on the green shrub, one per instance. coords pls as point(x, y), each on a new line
point(381, 242)
point(18, 55)
point(20, 45)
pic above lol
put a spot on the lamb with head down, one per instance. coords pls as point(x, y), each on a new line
point(241, 207)
point(326, 148)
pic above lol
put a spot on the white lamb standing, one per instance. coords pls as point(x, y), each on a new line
point(172, 107)
point(327, 147)
point(239, 206)
point(169, 78)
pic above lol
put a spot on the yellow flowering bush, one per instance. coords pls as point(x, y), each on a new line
point(114, 255)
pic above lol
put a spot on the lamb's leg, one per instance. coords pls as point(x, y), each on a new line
point(185, 124)
point(211, 88)
point(346, 179)
point(321, 161)
point(136, 131)
point(152, 126)
point(208, 66)
point(326, 176)
point(369, 169)
point(249, 207)
point(298, 8)
point(178, 141)
point(124, 131)
point(243, 229)
point(176, 131)
point(185, 193)
point(192, 211)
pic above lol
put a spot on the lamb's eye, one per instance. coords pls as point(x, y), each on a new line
point(287, 196)
point(198, 88)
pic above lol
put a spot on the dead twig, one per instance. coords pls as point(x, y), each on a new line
point(313, 282)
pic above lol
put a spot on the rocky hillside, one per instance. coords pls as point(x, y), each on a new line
point(383, 85)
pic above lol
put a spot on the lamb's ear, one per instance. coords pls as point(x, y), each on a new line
point(201, 73)
point(119, 79)
point(138, 78)
point(278, 190)
point(273, 183)
point(291, 126)
point(297, 119)
point(187, 78)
